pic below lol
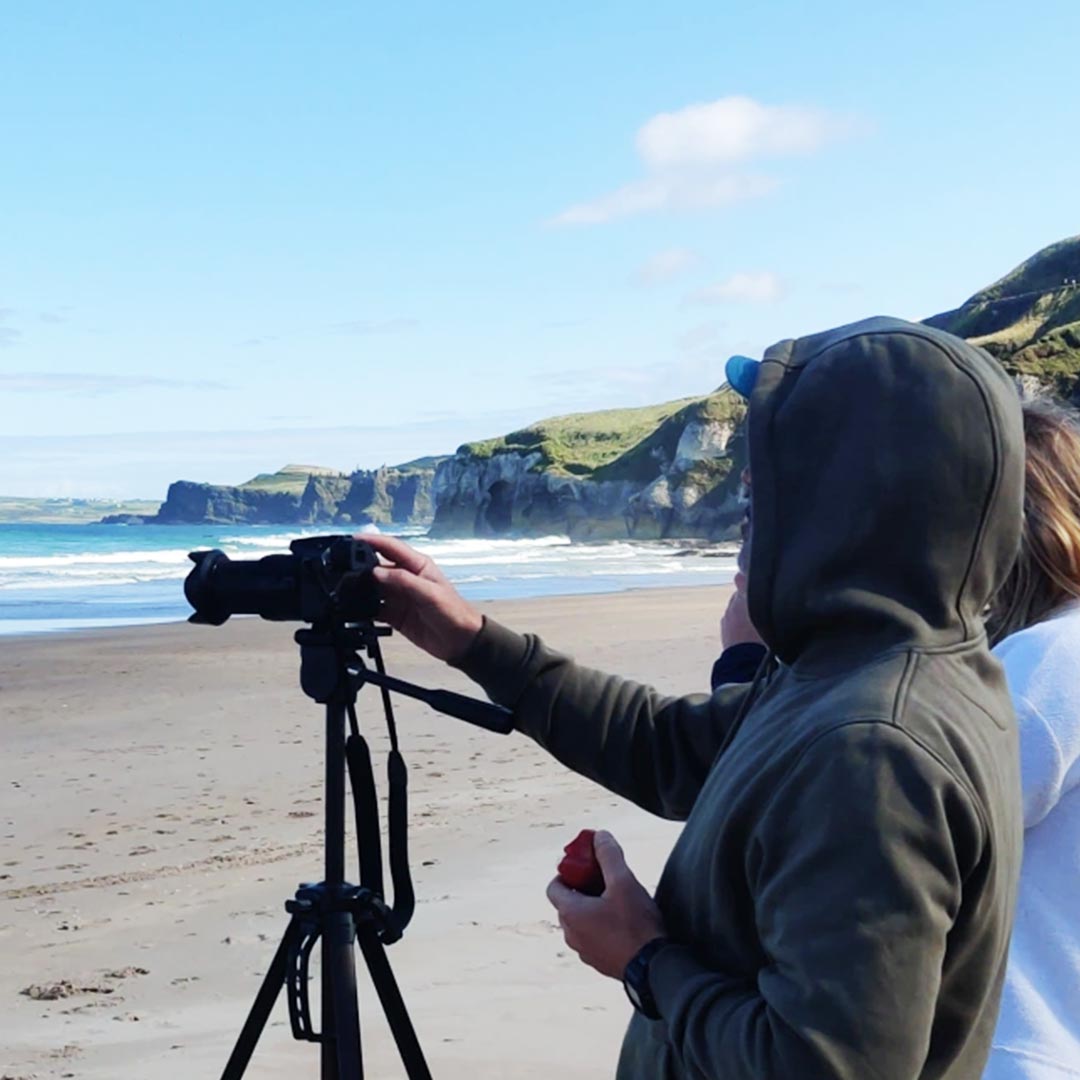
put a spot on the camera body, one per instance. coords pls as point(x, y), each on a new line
point(325, 579)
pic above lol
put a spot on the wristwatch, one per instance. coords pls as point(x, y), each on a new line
point(636, 978)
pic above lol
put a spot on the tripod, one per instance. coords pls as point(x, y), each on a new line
point(340, 914)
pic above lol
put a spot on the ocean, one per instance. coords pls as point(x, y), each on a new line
point(73, 577)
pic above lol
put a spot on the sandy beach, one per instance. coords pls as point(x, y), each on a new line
point(161, 797)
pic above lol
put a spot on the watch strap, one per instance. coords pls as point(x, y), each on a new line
point(636, 978)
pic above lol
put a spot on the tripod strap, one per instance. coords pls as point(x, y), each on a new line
point(398, 839)
point(404, 898)
point(366, 804)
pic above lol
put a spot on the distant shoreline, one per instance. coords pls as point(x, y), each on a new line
point(109, 627)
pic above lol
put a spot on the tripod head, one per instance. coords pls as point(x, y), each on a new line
point(321, 682)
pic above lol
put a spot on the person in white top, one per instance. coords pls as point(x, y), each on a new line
point(1035, 625)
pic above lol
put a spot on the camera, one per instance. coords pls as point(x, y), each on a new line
point(326, 578)
point(329, 581)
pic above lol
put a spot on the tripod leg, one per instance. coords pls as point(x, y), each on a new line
point(393, 1003)
point(341, 1057)
point(261, 1007)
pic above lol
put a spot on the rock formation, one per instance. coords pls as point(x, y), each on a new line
point(398, 495)
point(665, 471)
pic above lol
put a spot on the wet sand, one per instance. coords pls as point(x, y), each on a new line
point(161, 796)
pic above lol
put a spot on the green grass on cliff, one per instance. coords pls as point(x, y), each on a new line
point(612, 444)
point(422, 464)
point(643, 460)
point(1030, 318)
point(290, 480)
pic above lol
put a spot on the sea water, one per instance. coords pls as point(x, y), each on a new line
point(68, 577)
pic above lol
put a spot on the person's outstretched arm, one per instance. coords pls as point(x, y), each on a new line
point(652, 749)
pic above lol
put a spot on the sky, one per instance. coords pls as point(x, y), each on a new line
point(235, 236)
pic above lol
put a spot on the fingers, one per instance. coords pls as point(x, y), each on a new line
point(402, 593)
point(404, 584)
point(569, 903)
point(563, 899)
point(610, 857)
point(740, 583)
point(407, 558)
point(398, 552)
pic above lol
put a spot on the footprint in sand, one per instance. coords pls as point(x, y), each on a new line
point(65, 1053)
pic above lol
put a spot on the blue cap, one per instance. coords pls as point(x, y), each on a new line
point(742, 373)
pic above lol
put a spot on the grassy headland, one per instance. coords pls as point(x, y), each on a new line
point(15, 510)
point(612, 444)
point(1030, 319)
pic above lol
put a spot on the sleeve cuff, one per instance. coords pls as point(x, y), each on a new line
point(675, 977)
point(737, 663)
point(498, 659)
point(669, 971)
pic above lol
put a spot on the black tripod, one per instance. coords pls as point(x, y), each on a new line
point(331, 672)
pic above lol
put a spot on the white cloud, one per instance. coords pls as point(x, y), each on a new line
point(665, 265)
point(737, 129)
point(759, 288)
point(695, 158)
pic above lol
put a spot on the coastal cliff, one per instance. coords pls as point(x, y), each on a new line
point(306, 495)
point(1030, 320)
point(663, 471)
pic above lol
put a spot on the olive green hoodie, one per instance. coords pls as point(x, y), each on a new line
point(842, 892)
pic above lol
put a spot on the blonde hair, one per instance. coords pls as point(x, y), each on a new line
point(1046, 573)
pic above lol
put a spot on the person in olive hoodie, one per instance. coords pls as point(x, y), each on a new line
point(838, 903)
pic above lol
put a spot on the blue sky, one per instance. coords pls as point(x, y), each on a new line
point(238, 235)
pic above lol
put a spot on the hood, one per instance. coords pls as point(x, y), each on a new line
point(887, 492)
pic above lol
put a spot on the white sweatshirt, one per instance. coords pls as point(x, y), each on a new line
point(1038, 1031)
